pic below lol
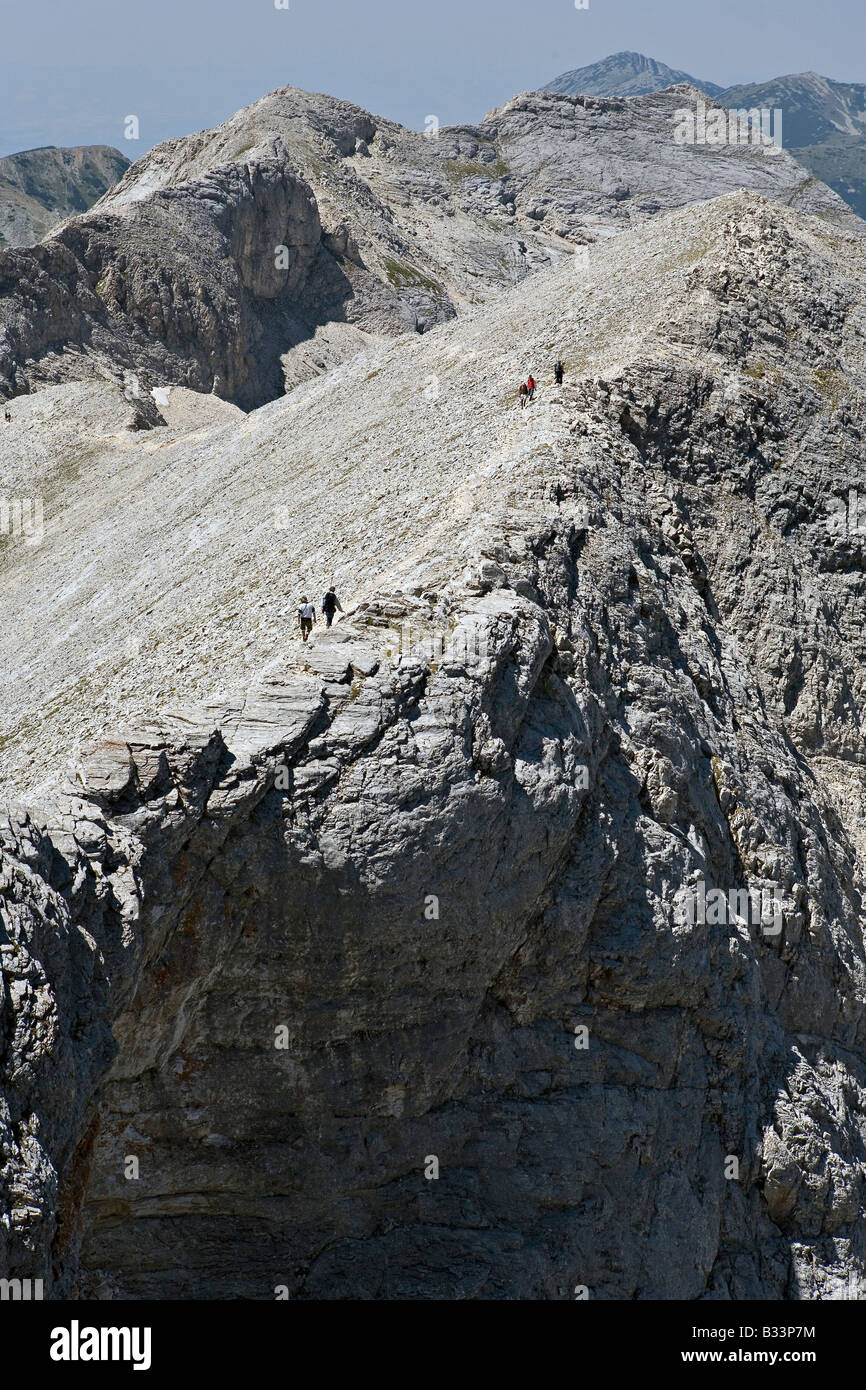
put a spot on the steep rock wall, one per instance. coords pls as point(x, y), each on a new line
point(277, 875)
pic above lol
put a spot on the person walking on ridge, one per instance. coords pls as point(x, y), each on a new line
point(523, 392)
point(330, 605)
point(530, 387)
point(558, 373)
point(306, 617)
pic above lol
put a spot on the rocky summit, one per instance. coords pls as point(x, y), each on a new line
point(506, 938)
point(626, 75)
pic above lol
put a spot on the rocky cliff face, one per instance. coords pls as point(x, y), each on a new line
point(246, 259)
point(316, 923)
point(39, 188)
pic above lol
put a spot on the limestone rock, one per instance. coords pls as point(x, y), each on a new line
point(301, 917)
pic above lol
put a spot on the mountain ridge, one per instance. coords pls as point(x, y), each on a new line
point(824, 119)
point(825, 125)
point(42, 186)
point(637, 666)
point(506, 938)
point(245, 259)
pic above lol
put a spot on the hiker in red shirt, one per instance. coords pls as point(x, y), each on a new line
point(530, 386)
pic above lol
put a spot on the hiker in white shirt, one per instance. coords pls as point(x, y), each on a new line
point(306, 617)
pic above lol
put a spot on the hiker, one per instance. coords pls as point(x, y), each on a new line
point(7, 417)
point(530, 387)
point(330, 605)
point(306, 617)
point(558, 373)
point(523, 393)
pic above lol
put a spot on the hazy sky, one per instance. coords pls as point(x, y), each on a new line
point(72, 70)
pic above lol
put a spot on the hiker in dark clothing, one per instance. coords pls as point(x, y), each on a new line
point(558, 373)
point(330, 605)
point(7, 416)
point(306, 617)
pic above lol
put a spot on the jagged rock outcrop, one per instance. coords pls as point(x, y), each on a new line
point(245, 259)
point(312, 917)
point(39, 188)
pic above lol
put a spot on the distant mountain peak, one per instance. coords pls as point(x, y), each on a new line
point(825, 126)
point(626, 74)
